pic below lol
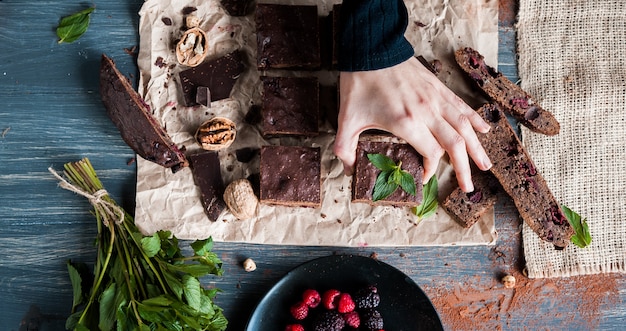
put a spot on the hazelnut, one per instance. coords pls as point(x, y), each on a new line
point(192, 48)
point(508, 281)
point(240, 199)
point(216, 133)
point(249, 265)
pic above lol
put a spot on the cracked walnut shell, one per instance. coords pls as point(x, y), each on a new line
point(192, 48)
point(216, 133)
point(240, 199)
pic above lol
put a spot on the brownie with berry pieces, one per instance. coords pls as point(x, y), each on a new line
point(518, 176)
point(517, 102)
point(467, 208)
point(290, 176)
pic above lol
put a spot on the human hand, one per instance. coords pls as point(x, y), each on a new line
point(408, 101)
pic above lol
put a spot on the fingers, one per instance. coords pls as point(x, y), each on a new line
point(346, 142)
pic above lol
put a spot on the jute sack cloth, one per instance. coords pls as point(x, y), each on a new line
point(572, 59)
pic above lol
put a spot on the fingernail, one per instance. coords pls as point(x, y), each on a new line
point(487, 164)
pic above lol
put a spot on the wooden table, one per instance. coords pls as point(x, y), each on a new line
point(51, 113)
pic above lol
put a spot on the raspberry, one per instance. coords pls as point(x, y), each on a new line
point(345, 304)
point(371, 320)
point(367, 298)
point(352, 319)
point(329, 320)
point(294, 327)
point(330, 298)
point(311, 298)
point(299, 311)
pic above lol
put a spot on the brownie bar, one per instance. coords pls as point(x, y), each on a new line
point(290, 106)
point(366, 173)
point(499, 88)
point(205, 168)
point(133, 118)
point(218, 75)
point(517, 174)
point(468, 208)
point(291, 176)
point(288, 36)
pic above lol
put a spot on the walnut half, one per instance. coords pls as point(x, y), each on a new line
point(216, 133)
point(192, 47)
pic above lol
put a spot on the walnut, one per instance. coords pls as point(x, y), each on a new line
point(508, 281)
point(192, 21)
point(192, 47)
point(240, 199)
point(216, 133)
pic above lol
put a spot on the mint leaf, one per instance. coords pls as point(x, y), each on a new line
point(383, 188)
point(582, 236)
point(151, 245)
point(429, 201)
point(77, 288)
point(407, 182)
point(73, 26)
point(382, 162)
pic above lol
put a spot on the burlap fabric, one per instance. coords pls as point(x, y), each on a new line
point(572, 58)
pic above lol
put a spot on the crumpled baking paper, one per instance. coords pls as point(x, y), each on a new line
point(170, 201)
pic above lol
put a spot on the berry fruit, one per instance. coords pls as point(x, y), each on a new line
point(311, 298)
point(352, 319)
point(371, 320)
point(345, 304)
point(329, 320)
point(299, 310)
point(294, 327)
point(330, 298)
point(367, 298)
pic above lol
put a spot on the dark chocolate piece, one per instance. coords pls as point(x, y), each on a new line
point(132, 116)
point(291, 176)
point(205, 167)
point(290, 106)
point(246, 154)
point(288, 36)
point(203, 96)
point(519, 177)
point(218, 75)
point(365, 173)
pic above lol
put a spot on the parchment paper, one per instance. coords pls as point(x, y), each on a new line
point(167, 201)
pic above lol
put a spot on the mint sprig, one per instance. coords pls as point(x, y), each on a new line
point(429, 202)
point(582, 236)
point(73, 26)
point(391, 177)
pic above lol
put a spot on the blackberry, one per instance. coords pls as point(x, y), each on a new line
point(367, 297)
point(371, 319)
point(329, 320)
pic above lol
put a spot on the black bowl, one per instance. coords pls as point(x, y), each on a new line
point(403, 305)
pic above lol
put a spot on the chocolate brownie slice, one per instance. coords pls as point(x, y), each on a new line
point(519, 177)
point(291, 176)
point(206, 171)
point(516, 101)
point(365, 173)
point(132, 116)
point(219, 76)
point(288, 36)
point(290, 106)
point(467, 208)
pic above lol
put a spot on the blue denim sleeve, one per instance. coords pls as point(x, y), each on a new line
point(371, 35)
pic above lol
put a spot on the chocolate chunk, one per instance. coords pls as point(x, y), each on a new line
point(132, 116)
point(218, 75)
point(288, 36)
point(203, 96)
point(291, 176)
point(238, 7)
point(366, 173)
point(205, 167)
point(290, 106)
point(246, 154)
